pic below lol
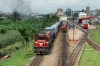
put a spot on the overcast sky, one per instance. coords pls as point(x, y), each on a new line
point(46, 6)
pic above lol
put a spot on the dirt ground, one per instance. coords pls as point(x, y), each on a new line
point(55, 53)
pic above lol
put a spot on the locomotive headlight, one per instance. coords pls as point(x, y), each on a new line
point(36, 42)
point(47, 42)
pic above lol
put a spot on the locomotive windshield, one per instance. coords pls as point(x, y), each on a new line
point(41, 38)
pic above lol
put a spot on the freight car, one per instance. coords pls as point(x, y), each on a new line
point(59, 24)
point(43, 41)
point(55, 28)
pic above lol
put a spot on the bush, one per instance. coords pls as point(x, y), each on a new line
point(9, 38)
point(9, 49)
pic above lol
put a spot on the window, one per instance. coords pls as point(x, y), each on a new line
point(41, 38)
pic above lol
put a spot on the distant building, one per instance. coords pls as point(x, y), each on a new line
point(39, 16)
point(82, 14)
point(78, 11)
point(88, 10)
point(60, 11)
point(94, 13)
point(34, 14)
point(68, 10)
point(52, 13)
point(97, 12)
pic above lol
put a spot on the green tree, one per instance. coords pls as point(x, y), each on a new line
point(16, 16)
point(55, 18)
point(1, 17)
point(68, 13)
point(27, 34)
point(76, 15)
point(48, 16)
point(49, 19)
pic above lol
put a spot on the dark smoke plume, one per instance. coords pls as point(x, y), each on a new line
point(22, 6)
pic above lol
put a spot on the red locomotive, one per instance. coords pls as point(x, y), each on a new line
point(43, 41)
point(85, 24)
point(63, 27)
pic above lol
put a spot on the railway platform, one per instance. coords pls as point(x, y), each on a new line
point(74, 36)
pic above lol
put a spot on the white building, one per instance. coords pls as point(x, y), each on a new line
point(64, 17)
point(82, 14)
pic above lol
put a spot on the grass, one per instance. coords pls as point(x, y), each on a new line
point(19, 58)
point(95, 34)
point(89, 57)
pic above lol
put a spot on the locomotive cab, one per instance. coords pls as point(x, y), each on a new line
point(41, 43)
point(63, 27)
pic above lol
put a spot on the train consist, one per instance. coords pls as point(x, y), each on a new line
point(85, 24)
point(44, 39)
point(64, 27)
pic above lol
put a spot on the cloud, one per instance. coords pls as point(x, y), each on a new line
point(46, 6)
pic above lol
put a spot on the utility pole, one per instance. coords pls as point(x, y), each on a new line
point(73, 25)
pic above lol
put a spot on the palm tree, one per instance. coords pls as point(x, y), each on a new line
point(15, 16)
point(26, 34)
point(47, 18)
point(54, 18)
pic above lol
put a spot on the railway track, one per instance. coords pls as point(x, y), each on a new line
point(36, 61)
point(93, 45)
point(64, 51)
point(76, 51)
point(78, 48)
point(89, 41)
